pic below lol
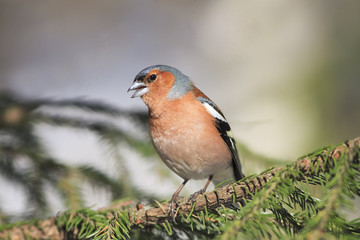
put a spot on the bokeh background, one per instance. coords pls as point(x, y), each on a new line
point(285, 73)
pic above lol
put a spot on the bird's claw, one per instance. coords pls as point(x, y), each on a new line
point(193, 196)
point(171, 209)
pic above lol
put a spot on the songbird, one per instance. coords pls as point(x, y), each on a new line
point(187, 129)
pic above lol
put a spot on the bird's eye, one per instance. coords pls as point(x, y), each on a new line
point(152, 77)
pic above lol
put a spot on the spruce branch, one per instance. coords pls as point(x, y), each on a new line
point(26, 161)
point(116, 221)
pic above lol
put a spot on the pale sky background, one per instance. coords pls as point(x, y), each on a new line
point(285, 73)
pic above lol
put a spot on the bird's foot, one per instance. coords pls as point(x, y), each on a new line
point(173, 204)
point(193, 196)
point(174, 200)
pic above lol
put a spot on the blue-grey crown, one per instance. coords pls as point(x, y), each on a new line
point(182, 84)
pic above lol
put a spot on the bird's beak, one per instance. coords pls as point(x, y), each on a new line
point(140, 89)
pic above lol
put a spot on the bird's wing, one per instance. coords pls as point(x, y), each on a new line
point(224, 130)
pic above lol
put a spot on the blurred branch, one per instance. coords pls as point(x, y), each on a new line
point(25, 160)
point(309, 168)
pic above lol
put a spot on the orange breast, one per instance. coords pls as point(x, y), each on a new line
point(185, 137)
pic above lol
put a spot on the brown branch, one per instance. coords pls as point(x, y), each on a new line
point(44, 229)
point(321, 162)
point(148, 216)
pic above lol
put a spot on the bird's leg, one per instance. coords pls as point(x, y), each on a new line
point(193, 196)
point(174, 199)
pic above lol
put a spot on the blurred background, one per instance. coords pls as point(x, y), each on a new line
point(286, 75)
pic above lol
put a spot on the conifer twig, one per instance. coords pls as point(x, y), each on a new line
point(147, 216)
point(309, 166)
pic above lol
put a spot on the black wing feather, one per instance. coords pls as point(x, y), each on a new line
point(224, 128)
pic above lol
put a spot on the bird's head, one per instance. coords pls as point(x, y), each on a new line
point(160, 82)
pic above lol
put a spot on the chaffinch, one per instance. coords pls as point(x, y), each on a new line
point(187, 129)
